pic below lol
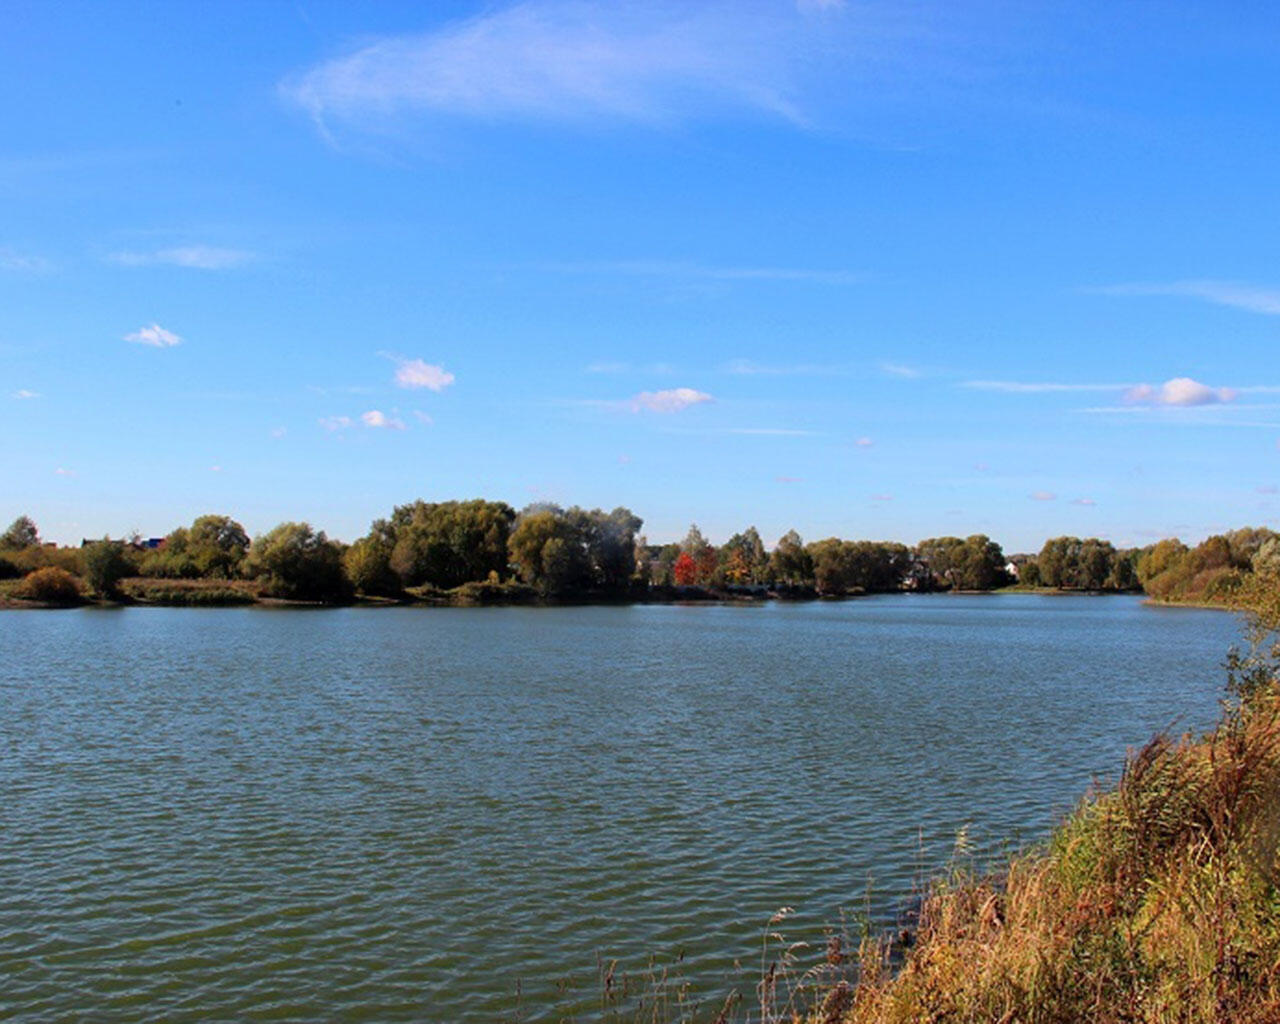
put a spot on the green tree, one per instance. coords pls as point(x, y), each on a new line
point(105, 565)
point(789, 562)
point(297, 562)
point(549, 551)
point(367, 564)
point(22, 533)
point(448, 543)
point(610, 541)
point(217, 545)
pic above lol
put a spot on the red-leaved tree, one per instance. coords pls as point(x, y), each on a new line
point(685, 570)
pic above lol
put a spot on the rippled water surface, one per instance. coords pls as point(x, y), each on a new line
point(401, 814)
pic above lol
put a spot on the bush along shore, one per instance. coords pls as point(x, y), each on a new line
point(485, 552)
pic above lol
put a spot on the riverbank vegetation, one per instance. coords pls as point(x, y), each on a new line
point(486, 552)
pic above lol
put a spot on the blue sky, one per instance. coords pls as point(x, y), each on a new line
point(879, 270)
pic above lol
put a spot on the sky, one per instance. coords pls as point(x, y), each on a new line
point(881, 270)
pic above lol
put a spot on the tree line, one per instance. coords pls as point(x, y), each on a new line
point(489, 549)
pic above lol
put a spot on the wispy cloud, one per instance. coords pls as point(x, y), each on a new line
point(681, 269)
point(1019, 387)
point(656, 63)
point(378, 420)
point(1042, 496)
point(279, 432)
point(1083, 501)
point(416, 373)
point(864, 442)
point(26, 393)
point(748, 368)
point(335, 423)
point(61, 471)
point(900, 370)
point(769, 432)
point(1180, 391)
point(606, 367)
point(1253, 298)
point(422, 417)
point(155, 336)
point(563, 60)
point(788, 479)
point(668, 401)
point(882, 497)
point(23, 262)
point(194, 257)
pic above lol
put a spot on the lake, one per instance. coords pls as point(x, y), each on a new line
point(405, 814)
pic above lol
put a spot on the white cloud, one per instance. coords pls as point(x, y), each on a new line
point(415, 373)
point(1180, 391)
point(899, 370)
point(1042, 496)
point(379, 420)
point(215, 469)
point(25, 393)
point(1083, 501)
point(671, 400)
point(195, 257)
point(279, 432)
point(64, 472)
point(155, 336)
point(864, 442)
point(335, 423)
point(1252, 298)
point(422, 417)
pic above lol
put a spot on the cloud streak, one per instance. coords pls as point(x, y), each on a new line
point(192, 257)
point(1018, 387)
point(1251, 298)
point(708, 272)
point(10, 260)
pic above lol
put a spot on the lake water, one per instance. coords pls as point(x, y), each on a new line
point(404, 814)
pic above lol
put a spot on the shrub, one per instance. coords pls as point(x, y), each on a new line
point(189, 593)
point(53, 585)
